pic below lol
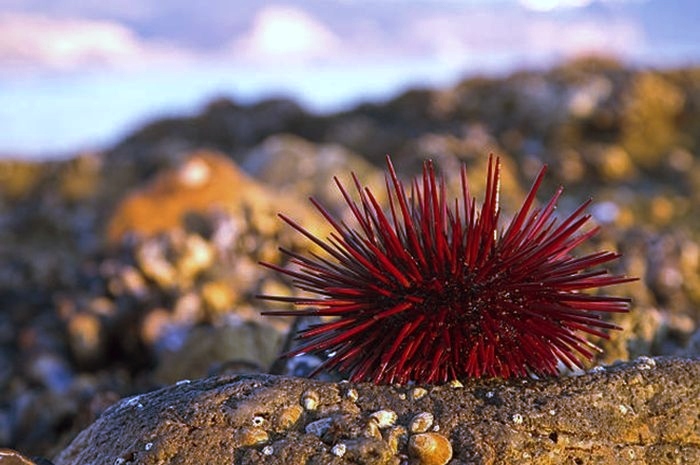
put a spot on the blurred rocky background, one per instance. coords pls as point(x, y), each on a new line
point(135, 267)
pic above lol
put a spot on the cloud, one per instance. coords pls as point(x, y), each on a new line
point(584, 36)
point(479, 35)
point(285, 34)
point(547, 5)
point(292, 35)
point(32, 41)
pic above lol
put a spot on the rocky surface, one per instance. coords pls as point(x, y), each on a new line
point(643, 412)
point(125, 270)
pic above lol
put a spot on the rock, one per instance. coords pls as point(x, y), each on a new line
point(223, 124)
point(205, 348)
point(203, 183)
point(184, 254)
point(295, 166)
point(644, 411)
point(12, 457)
point(648, 128)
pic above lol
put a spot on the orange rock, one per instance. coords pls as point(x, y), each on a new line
point(206, 181)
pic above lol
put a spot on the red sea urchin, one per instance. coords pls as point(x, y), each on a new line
point(430, 293)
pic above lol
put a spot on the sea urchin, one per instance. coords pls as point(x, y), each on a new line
point(430, 291)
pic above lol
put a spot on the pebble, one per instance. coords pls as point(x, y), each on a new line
point(318, 427)
point(430, 449)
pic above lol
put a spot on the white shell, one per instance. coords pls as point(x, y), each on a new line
point(310, 400)
point(421, 422)
point(384, 418)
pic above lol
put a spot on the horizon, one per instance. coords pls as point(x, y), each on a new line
point(76, 76)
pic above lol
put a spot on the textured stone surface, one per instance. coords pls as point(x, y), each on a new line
point(641, 412)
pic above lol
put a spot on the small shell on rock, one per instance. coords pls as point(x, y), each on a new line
point(352, 394)
point(289, 416)
point(645, 363)
point(418, 393)
point(455, 383)
point(430, 449)
point(268, 450)
point(372, 430)
point(310, 400)
point(339, 449)
point(421, 422)
point(384, 418)
point(252, 436)
point(396, 437)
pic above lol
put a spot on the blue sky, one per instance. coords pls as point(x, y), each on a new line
point(80, 74)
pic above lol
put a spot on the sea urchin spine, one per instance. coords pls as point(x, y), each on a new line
point(430, 292)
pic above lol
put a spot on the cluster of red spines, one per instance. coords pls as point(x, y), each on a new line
point(430, 292)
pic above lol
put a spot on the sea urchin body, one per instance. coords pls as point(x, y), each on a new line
point(431, 290)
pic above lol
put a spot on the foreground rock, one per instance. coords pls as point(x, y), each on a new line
point(643, 412)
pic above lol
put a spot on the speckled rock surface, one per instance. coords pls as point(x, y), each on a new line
point(641, 412)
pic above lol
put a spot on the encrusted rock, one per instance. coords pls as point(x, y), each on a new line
point(644, 410)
